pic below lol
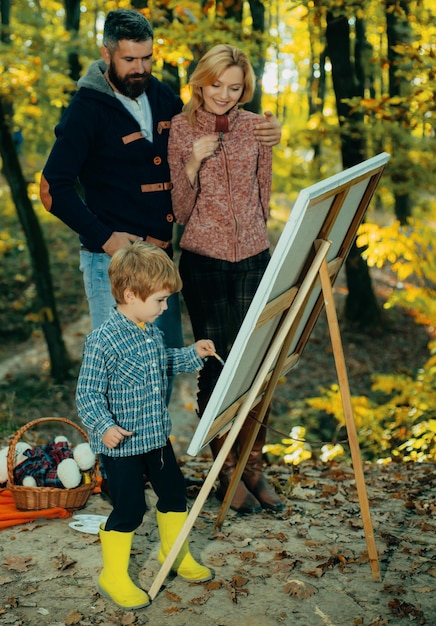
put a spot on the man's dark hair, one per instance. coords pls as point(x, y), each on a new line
point(125, 24)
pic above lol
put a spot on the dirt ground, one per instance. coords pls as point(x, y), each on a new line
point(307, 566)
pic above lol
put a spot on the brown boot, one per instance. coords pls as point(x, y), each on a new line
point(243, 501)
point(253, 477)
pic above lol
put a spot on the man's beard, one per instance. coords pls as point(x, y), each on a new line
point(131, 86)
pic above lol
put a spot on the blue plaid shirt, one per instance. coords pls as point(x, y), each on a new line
point(123, 381)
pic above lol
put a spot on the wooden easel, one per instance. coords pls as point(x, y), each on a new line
point(260, 394)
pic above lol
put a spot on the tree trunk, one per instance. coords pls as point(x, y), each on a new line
point(72, 25)
point(361, 305)
point(316, 81)
point(170, 73)
point(257, 9)
point(398, 32)
point(234, 10)
point(5, 10)
point(59, 360)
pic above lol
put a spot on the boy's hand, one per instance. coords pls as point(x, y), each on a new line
point(268, 132)
point(114, 436)
point(205, 347)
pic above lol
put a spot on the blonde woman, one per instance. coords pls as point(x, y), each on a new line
point(221, 179)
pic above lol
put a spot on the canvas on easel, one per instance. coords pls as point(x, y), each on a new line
point(329, 210)
point(297, 284)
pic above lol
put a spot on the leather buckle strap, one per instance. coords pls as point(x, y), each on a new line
point(156, 187)
point(157, 242)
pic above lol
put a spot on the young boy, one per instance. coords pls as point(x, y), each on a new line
point(120, 397)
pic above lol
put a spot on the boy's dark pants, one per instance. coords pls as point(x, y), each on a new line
point(126, 482)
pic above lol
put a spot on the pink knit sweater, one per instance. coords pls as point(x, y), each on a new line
point(226, 210)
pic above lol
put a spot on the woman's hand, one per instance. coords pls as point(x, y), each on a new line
point(204, 147)
point(201, 149)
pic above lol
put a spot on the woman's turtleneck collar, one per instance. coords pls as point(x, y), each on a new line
point(215, 123)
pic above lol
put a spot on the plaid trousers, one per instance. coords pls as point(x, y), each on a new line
point(217, 295)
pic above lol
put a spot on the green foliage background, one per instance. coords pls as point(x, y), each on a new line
point(398, 422)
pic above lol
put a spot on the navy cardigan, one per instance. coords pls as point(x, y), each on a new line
point(98, 175)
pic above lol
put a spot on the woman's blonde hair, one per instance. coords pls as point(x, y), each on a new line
point(144, 269)
point(210, 67)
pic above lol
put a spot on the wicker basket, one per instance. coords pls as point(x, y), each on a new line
point(36, 498)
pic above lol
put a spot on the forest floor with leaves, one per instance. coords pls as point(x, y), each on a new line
point(307, 566)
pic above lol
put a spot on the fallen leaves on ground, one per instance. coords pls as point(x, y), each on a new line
point(18, 563)
point(299, 589)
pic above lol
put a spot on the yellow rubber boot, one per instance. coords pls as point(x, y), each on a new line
point(170, 524)
point(114, 581)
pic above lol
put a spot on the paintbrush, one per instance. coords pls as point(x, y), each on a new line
point(218, 358)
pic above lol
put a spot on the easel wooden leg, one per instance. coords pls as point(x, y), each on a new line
point(349, 419)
